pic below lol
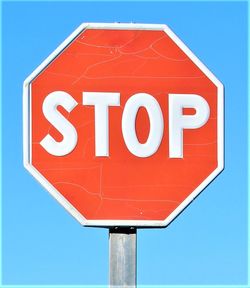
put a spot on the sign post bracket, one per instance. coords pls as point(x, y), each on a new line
point(122, 257)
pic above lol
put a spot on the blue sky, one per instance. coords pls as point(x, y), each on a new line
point(207, 243)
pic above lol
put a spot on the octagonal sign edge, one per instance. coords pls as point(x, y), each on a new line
point(54, 192)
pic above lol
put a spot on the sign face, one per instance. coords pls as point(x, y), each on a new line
point(123, 125)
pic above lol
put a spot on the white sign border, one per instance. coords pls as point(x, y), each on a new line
point(56, 194)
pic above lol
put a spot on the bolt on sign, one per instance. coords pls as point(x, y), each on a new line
point(123, 125)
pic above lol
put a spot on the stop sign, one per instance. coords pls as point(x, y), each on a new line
point(123, 125)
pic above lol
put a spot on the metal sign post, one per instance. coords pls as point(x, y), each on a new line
point(122, 257)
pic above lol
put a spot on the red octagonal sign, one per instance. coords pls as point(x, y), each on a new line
point(123, 125)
